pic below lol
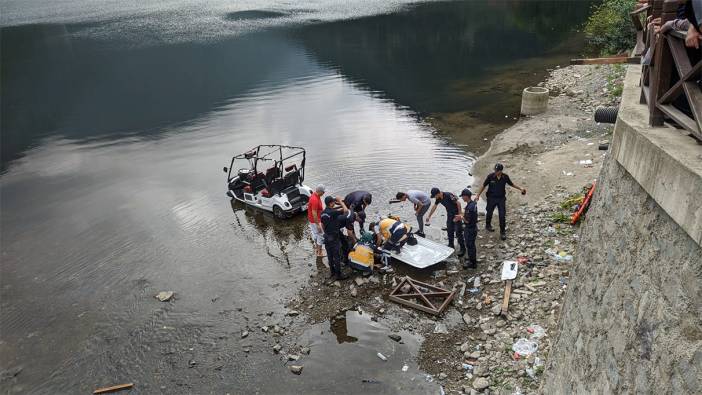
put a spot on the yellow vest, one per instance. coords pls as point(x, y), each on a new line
point(386, 224)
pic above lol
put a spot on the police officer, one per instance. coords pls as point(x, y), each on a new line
point(330, 220)
point(453, 216)
point(470, 230)
point(357, 202)
point(497, 197)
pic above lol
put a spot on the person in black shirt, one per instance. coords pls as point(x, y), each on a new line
point(330, 219)
point(453, 216)
point(357, 202)
point(470, 231)
point(497, 197)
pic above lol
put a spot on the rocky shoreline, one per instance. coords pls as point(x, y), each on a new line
point(469, 349)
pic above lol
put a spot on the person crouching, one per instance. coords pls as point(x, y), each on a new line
point(390, 233)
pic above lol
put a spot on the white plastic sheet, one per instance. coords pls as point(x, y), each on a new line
point(426, 253)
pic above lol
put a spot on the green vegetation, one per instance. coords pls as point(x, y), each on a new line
point(609, 29)
point(615, 80)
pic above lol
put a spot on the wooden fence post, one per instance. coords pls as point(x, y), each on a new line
point(662, 68)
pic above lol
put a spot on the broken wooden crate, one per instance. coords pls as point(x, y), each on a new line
point(422, 296)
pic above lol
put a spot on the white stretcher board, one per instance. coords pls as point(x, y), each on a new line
point(424, 254)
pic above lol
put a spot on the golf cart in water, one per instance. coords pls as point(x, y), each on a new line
point(270, 177)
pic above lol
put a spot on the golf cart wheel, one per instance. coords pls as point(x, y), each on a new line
point(278, 212)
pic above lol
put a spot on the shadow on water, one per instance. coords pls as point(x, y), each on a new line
point(431, 58)
point(422, 56)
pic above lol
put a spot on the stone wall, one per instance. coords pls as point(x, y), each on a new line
point(632, 315)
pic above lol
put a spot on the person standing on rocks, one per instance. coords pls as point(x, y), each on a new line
point(453, 216)
point(470, 230)
point(331, 221)
point(314, 215)
point(421, 203)
point(496, 183)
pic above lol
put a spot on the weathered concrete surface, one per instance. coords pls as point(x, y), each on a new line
point(632, 316)
point(664, 161)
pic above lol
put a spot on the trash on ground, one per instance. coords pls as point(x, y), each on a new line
point(524, 347)
point(422, 296)
point(405, 368)
point(296, 369)
point(114, 388)
point(164, 296)
point(537, 331)
point(440, 328)
point(395, 337)
point(381, 356)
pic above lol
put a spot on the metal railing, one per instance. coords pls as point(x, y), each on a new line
point(671, 73)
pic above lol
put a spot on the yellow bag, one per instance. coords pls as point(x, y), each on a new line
point(362, 258)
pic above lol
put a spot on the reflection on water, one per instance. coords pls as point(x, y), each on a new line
point(112, 187)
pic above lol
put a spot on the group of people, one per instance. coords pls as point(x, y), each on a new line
point(327, 221)
point(688, 19)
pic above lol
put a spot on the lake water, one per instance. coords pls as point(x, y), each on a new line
point(117, 118)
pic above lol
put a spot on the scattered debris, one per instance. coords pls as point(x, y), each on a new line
point(114, 388)
point(524, 347)
point(440, 328)
point(164, 296)
point(382, 357)
point(296, 369)
point(418, 295)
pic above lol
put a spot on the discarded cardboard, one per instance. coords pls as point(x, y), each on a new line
point(421, 296)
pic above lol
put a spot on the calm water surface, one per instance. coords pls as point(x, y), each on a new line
point(117, 120)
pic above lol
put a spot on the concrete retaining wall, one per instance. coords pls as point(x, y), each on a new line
point(632, 315)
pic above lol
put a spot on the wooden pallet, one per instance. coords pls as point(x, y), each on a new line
point(422, 296)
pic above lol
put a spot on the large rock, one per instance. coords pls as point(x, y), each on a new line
point(481, 383)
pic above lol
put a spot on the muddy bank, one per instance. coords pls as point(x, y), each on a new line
point(469, 348)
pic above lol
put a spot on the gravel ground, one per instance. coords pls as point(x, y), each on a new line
point(469, 349)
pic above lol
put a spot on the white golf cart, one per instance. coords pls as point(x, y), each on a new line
point(269, 177)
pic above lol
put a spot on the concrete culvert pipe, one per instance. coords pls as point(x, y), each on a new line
point(606, 114)
point(534, 100)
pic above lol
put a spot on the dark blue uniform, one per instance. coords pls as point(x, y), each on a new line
point(354, 201)
point(470, 231)
point(452, 228)
point(331, 220)
point(497, 197)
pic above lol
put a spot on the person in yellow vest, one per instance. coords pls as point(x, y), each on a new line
point(390, 233)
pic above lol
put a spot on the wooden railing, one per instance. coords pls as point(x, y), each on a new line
point(671, 72)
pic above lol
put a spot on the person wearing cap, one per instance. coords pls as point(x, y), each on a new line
point(314, 215)
point(497, 197)
point(453, 216)
point(421, 203)
point(331, 218)
point(470, 229)
point(357, 202)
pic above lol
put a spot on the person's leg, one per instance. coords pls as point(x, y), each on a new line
point(345, 248)
point(332, 258)
point(395, 239)
point(362, 222)
point(420, 218)
point(459, 235)
point(469, 237)
point(502, 212)
point(315, 239)
point(490, 207)
point(450, 230)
